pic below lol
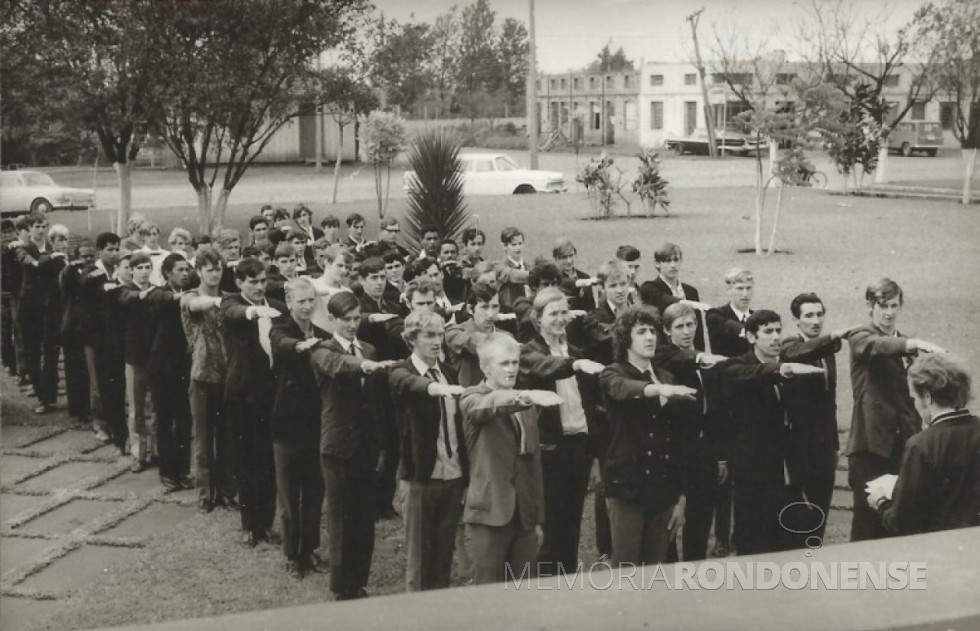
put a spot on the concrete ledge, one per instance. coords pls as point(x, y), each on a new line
point(949, 600)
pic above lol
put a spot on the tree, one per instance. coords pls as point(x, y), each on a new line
point(951, 32)
point(514, 53)
point(849, 52)
point(384, 139)
point(850, 133)
point(607, 61)
point(399, 60)
point(353, 99)
point(239, 72)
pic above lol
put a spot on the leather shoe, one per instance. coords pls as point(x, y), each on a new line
point(313, 563)
point(250, 539)
point(205, 505)
point(271, 536)
point(42, 409)
point(138, 466)
point(187, 482)
point(169, 484)
point(230, 503)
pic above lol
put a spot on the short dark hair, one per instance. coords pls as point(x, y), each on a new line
point(424, 230)
point(284, 250)
point(480, 292)
point(420, 286)
point(448, 241)
point(140, 258)
point(390, 256)
point(300, 209)
point(170, 262)
point(207, 255)
point(802, 299)
point(330, 221)
point(280, 214)
point(946, 381)
point(509, 234)
point(471, 233)
point(759, 319)
point(33, 219)
point(341, 303)
point(883, 291)
point(622, 328)
point(354, 218)
point(250, 252)
point(6, 225)
point(418, 267)
point(249, 268)
point(106, 238)
point(668, 252)
point(256, 220)
point(627, 253)
point(372, 265)
point(543, 271)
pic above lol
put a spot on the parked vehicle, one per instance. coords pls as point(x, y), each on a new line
point(732, 140)
point(498, 174)
point(34, 191)
point(925, 136)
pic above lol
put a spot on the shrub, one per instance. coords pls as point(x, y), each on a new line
point(435, 191)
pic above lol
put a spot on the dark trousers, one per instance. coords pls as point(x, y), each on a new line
point(173, 412)
point(640, 535)
point(350, 488)
point(812, 466)
point(387, 481)
point(566, 471)
point(76, 378)
point(862, 468)
point(431, 512)
point(110, 370)
point(723, 513)
point(40, 351)
point(757, 513)
point(256, 465)
point(214, 463)
point(603, 533)
point(7, 349)
point(499, 552)
point(702, 484)
point(299, 488)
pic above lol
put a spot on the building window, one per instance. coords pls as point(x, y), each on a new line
point(627, 80)
point(656, 115)
point(784, 78)
point(891, 81)
point(592, 83)
point(656, 80)
point(918, 111)
point(564, 84)
point(690, 79)
point(537, 85)
point(553, 84)
point(947, 110)
point(609, 81)
point(736, 78)
point(576, 83)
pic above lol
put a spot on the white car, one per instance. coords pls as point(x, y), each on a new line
point(498, 174)
point(34, 191)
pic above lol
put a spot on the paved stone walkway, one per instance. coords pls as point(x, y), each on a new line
point(71, 512)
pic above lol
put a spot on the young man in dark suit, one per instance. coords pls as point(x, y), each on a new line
point(355, 241)
point(140, 328)
point(884, 416)
point(644, 472)
point(630, 256)
point(613, 277)
point(811, 408)
point(168, 369)
point(433, 464)
point(249, 392)
point(726, 337)
point(34, 258)
point(753, 386)
point(512, 272)
point(505, 500)
point(296, 429)
point(549, 361)
point(73, 332)
point(667, 288)
point(351, 457)
point(463, 340)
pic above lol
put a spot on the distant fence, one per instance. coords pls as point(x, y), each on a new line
point(414, 126)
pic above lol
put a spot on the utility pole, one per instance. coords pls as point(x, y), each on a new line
point(318, 112)
point(709, 121)
point(531, 91)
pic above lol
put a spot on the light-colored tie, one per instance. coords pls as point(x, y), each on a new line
point(265, 326)
point(435, 375)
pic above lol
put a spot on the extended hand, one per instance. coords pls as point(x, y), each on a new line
point(694, 304)
point(307, 344)
point(262, 311)
point(707, 360)
point(576, 313)
point(921, 346)
point(588, 366)
point(676, 520)
point(369, 367)
point(682, 393)
point(793, 369)
point(382, 317)
point(506, 316)
point(438, 389)
point(544, 398)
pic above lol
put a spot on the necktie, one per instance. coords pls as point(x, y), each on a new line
point(443, 414)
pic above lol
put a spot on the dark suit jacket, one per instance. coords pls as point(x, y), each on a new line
point(724, 330)
point(462, 341)
point(32, 278)
point(938, 485)
point(248, 377)
point(140, 326)
point(349, 404)
point(296, 406)
point(540, 370)
point(657, 294)
point(169, 358)
point(418, 417)
point(502, 480)
point(598, 333)
point(73, 317)
point(811, 404)
point(644, 464)
point(883, 409)
point(753, 394)
point(512, 283)
point(385, 337)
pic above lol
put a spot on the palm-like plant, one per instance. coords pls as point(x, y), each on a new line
point(435, 187)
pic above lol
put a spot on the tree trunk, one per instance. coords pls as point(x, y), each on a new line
point(881, 171)
point(123, 172)
point(377, 188)
point(775, 220)
point(204, 209)
point(760, 197)
point(970, 157)
point(773, 159)
point(218, 212)
point(336, 167)
point(384, 207)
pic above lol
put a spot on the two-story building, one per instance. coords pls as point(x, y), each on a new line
point(596, 108)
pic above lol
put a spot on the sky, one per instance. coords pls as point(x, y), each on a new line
point(569, 33)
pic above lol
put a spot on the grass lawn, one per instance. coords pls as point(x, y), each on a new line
point(837, 246)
